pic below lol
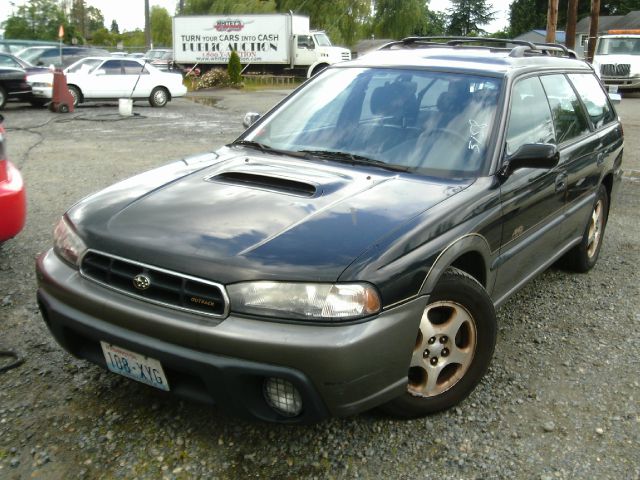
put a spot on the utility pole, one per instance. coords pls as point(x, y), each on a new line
point(572, 19)
point(552, 21)
point(593, 29)
point(147, 26)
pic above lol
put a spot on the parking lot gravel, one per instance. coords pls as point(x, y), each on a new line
point(561, 399)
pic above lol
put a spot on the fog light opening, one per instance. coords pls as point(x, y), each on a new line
point(282, 396)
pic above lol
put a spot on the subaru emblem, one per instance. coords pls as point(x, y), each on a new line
point(141, 282)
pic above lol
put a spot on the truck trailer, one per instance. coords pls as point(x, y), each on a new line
point(266, 43)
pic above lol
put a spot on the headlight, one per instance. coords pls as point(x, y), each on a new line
point(305, 301)
point(67, 244)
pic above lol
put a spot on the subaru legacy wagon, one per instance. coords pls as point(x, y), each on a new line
point(349, 249)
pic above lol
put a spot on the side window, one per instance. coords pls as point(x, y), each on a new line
point(594, 98)
point(530, 119)
point(133, 68)
point(305, 41)
point(568, 116)
point(111, 67)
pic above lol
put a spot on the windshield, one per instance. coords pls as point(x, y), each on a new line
point(434, 123)
point(32, 53)
point(619, 46)
point(85, 65)
point(322, 40)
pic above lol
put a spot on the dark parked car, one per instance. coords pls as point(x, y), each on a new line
point(13, 85)
point(348, 250)
point(47, 55)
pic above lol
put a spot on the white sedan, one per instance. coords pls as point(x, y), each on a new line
point(108, 78)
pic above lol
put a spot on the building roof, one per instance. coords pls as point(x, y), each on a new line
point(560, 36)
point(613, 22)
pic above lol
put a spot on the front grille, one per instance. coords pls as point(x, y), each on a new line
point(615, 70)
point(346, 56)
point(155, 284)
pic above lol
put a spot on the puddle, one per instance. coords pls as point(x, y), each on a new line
point(208, 101)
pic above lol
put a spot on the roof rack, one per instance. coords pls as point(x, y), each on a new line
point(521, 48)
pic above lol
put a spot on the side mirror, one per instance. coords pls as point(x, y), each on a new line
point(250, 118)
point(531, 155)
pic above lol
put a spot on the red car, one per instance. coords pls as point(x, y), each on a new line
point(13, 204)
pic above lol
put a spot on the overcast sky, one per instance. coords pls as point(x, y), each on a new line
point(130, 13)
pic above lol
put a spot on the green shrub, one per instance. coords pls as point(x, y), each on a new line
point(216, 77)
point(234, 69)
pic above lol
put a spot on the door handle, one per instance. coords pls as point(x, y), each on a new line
point(600, 158)
point(561, 182)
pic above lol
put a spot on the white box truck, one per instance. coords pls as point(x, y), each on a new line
point(617, 59)
point(267, 43)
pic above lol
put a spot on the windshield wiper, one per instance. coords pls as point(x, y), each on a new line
point(346, 157)
point(265, 148)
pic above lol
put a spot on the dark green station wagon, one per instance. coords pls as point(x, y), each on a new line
point(349, 249)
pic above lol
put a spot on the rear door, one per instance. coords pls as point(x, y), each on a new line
point(586, 173)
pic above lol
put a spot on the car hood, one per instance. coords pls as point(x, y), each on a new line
point(248, 216)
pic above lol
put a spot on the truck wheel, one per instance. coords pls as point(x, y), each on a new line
point(159, 97)
point(3, 97)
point(453, 348)
point(584, 256)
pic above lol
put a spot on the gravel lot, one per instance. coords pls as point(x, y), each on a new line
point(561, 400)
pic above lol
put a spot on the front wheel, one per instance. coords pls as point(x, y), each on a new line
point(3, 98)
point(75, 93)
point(453, 348)
point(584, 256)
point(159, 97)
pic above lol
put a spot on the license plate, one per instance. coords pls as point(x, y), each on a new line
point(135, 366)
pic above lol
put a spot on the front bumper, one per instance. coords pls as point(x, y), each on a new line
point(338, 369)
point(44, 93)
point(623, 83)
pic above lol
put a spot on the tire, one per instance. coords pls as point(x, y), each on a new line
point(455, 341)
point(3, 98)
point(76, 94)
point(584, 256)
point(63, 108)
point(159, 97)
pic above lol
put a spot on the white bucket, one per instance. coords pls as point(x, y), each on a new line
point(125, 107)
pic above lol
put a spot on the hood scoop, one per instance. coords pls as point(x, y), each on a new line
point(266, 182)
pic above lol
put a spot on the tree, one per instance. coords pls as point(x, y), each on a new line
point(103, 37)
point(114, 27)
point(234, 68)
point(398, 18)
point(466, 17)
point(345, 21)
point(38, 20)
point(160, 26)
point(195, 7)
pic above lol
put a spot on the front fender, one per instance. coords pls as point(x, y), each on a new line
point(470, 243)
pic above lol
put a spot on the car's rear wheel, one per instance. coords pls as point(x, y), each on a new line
point(3, 97)
point(453, 347)
point(584, 256)
point(159, 97)
point(75, 93)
